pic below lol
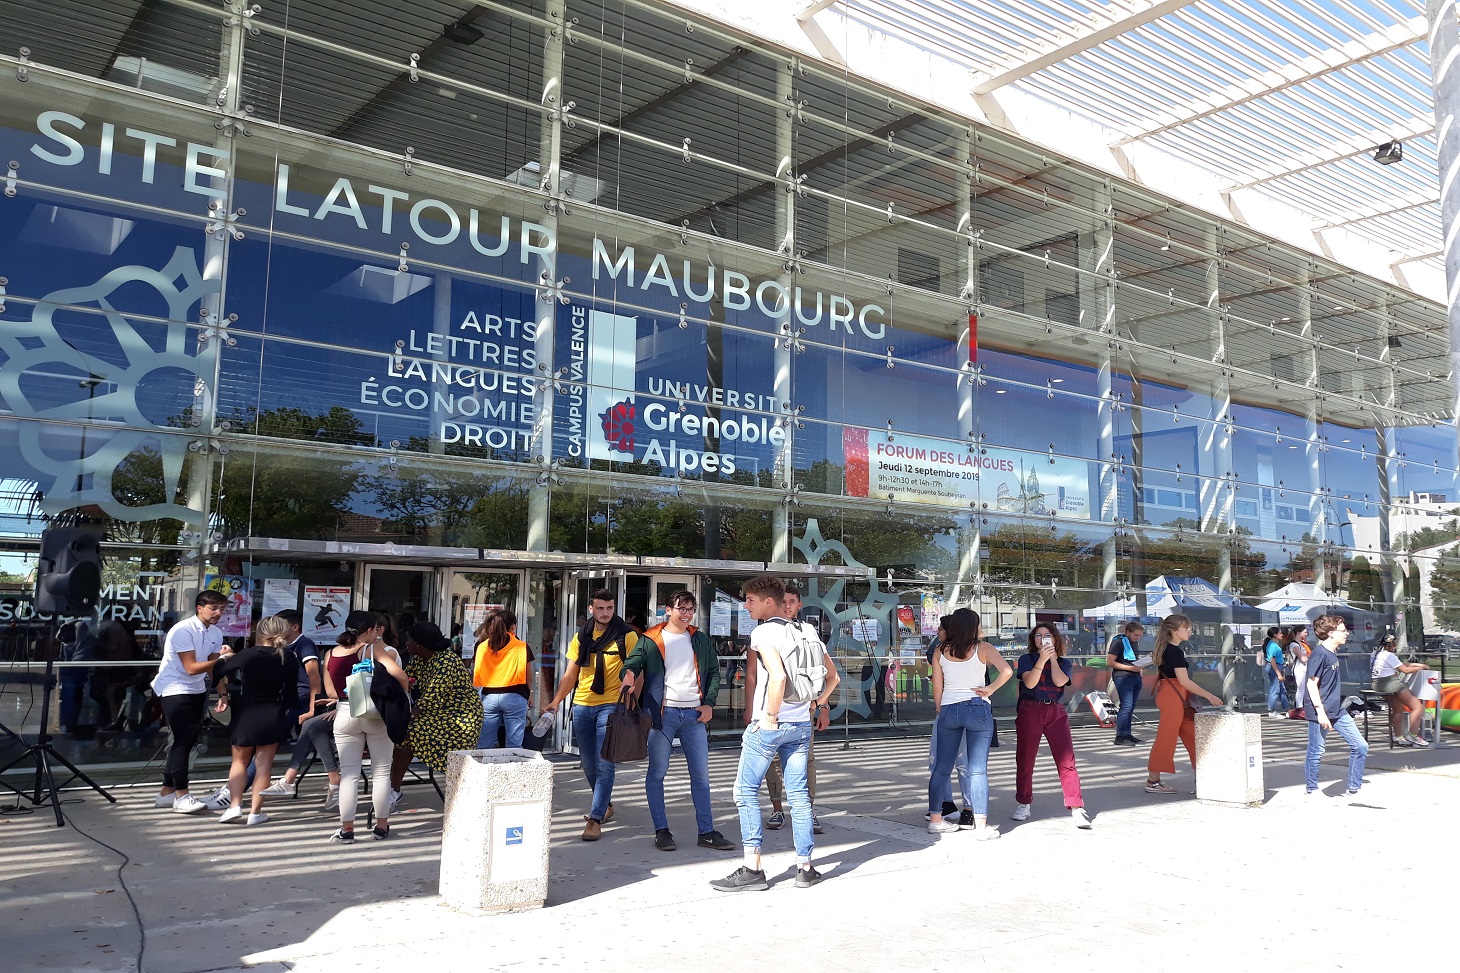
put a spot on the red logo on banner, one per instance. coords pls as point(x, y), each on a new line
point(854, 451)
point(973, 339)
point(618, 427)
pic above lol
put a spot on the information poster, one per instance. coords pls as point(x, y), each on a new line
point(924, 470)
point(280, 594)
point(744, 623)
point(934, 608)
point(237, 620)
point(473, 617)
point(325, 609)
point(906, 622)
point(720, 618)
point(864, 630)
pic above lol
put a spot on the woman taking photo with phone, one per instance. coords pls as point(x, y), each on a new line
point(1174, 689)
point(1044, 672)
point(961, 692)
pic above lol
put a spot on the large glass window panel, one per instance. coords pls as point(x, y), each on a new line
point(269, 489)
point(487, 122)
point(604, 514)
point(112, 143)
point(316, 393)
point(162, 47)
point(663, 395)
point(862, 390)
point(301, 188)
point(139, 478)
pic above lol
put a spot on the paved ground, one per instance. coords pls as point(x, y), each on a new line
point(1159, 884)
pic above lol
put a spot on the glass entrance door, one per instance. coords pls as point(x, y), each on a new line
point(577, 592)
point(661, 586)
point(407, 594)
point(472, 595)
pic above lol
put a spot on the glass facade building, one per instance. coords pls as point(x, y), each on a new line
point(435, 306)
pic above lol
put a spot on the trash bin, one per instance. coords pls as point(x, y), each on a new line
point(1229, 758)
point(495, 836)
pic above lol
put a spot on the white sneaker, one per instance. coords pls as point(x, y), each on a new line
point(1021, 813)
point(942, 827)
point(331, 798)
point(1080, 818)
point(395, 801)
point(219, 799)
point(1277, 716)
point(164, 800)
point(281, 789)
point(1415, 741)
point(259, 818)
point(188, 804)
point(231, 815)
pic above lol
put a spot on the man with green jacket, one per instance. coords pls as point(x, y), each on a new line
point(676, 675)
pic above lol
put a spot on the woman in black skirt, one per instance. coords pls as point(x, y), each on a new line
point(270, 680)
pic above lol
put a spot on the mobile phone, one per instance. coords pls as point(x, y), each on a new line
point(1046, 641)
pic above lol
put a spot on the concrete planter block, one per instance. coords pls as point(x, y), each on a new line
point(498, 821)
point(1229, 758)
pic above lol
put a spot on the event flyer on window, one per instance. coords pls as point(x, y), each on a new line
point(920, 469)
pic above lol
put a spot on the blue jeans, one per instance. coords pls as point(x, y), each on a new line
point(1277, 693)
point(790, 742)
point(968, 724)
point(590, 725)
point(1128, 687)
point(499, 709)
point(694, 739)
point(1317, 745)
point(960, 764)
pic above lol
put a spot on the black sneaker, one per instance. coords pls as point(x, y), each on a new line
point(715, 840)
point(663, 840)
point(1125, 741)
point(741, 880)
point(965, 820)
point(807, 877)
point(1134, 741)
point(815, 823)
point(380, 833)
point(949, 809)
point(344, 837)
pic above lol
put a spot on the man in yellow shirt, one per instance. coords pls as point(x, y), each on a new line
point(593, 675)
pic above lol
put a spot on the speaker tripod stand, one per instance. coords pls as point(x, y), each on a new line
point(45, 790)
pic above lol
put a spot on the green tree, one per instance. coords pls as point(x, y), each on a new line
point(1445, 589)
point(266, 491)
point(1365, 586)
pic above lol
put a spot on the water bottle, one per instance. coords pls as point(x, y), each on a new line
point(543, 725)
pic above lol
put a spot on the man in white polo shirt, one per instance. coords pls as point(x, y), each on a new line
point(192, 648)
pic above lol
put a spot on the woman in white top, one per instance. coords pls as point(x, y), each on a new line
point(1389, 675)
point(961, 692)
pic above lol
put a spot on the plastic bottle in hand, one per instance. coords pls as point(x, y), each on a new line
point(543, 725)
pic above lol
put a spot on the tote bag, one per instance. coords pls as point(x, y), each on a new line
point(357, 686)
point(627, 737)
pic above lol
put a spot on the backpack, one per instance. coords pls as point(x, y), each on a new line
point(805, 663)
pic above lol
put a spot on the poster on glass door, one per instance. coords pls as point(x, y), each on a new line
point(325, 609)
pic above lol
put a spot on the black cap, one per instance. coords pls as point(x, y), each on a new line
point(428, 635)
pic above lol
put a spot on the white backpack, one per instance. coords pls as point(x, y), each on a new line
point(805, 662)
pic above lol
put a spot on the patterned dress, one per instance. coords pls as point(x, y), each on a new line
point(450, 711)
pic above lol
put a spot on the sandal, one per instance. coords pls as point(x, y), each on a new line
point(1159, 787)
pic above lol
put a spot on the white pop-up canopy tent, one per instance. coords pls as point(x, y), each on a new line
point(1299, 602)
point(1194, 597)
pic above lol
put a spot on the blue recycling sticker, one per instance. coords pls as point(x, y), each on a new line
point(514, 835)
